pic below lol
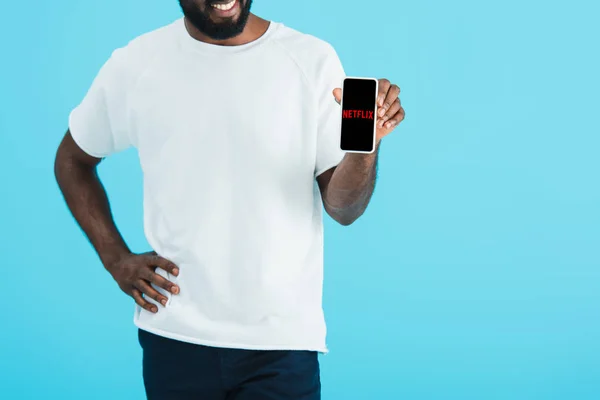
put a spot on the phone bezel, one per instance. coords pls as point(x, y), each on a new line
point(374, 111)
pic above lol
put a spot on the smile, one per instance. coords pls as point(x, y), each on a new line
point(226, 6)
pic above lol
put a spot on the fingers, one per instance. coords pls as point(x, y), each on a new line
point(149, 275)
point(163, 283)
point(394, 108)
point(137, 277)
point(396, 119)
point(163, 263)
point(149, 291)
point(384, 86)
point(337, 94)
point(137, 296)
point(390, 97)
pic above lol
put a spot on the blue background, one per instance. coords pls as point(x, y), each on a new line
point(473, 275)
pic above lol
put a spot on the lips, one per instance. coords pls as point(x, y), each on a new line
point(225, 8)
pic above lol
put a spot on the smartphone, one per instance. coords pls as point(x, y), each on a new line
point(359, 114)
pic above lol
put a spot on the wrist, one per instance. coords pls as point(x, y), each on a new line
point(365, 158)
point(112, 256)
point(377, 143)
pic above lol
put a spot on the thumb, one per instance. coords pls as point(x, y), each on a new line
point(337, 94)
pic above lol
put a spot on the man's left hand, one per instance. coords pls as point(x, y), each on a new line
point(389, 109)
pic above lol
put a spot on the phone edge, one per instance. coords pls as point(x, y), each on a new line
point(373, 145)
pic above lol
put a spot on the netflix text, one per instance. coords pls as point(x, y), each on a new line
point(362, 114)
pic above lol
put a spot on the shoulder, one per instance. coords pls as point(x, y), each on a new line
point(142, 50)
point(303, 43)
point(310, 52)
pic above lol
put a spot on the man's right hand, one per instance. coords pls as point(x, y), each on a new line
point(136, 272)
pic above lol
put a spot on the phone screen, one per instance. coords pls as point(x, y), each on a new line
point(359, 100)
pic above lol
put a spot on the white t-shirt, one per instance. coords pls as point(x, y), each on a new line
point(230, 141)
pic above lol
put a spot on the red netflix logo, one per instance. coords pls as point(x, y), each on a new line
point(362, 114)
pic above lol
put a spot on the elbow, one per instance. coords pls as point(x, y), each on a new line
point(344, 214)
point(57, 165)
point(345, 222)
point(346, 218)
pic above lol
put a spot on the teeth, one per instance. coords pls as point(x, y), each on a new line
point(226, 6)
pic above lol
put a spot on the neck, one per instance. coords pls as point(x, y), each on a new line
point(255, 28)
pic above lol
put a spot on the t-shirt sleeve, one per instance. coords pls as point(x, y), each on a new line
point(99, 124)
point(331, 75)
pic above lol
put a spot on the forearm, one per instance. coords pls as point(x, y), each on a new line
point(351, 186)
point(87, 200)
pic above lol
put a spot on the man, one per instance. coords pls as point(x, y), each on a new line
point(237, 127)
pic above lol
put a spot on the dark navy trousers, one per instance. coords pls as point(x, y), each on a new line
point(175, 370)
